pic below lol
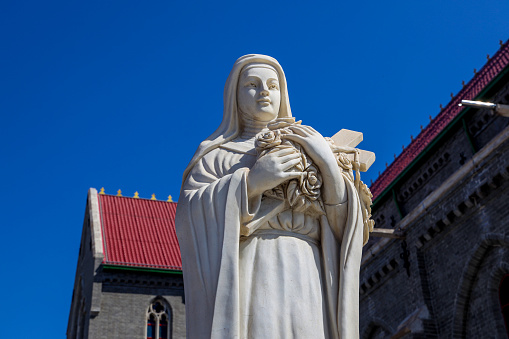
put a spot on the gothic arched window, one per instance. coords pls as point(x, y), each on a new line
point(158, 320)
point(503, 295)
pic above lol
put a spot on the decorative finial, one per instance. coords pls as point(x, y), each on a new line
point(386, 165)
point(475, 71)
point(102, 191)
point(169, 199)
point(394, 156)
point(421, 128)
point(501, 43)
point(411, 137)
point(136, 195)
point(403, 147)
point(153, 196)
point(378, 173)
point(371, 182)
point(463, 83)
point(452, 95)
point(119, 193)
point(488, 57)
point(430, 119)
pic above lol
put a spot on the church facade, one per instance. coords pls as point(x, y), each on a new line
point(443, 272)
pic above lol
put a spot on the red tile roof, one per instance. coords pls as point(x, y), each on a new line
point(139, 232)
point(492, 68)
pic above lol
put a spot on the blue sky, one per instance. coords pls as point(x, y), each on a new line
point(120, 93)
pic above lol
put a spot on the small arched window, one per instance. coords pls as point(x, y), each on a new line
point(158, 320)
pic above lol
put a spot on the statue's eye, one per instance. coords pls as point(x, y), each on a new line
point(252, 84)
point(273, 86)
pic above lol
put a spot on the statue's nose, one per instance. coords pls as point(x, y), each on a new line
point(265, 91)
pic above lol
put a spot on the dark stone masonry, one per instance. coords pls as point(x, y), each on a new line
point(452, 206)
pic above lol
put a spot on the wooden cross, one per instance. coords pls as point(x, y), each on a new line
point(349, 138)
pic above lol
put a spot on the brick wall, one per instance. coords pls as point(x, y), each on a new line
point(457, 247)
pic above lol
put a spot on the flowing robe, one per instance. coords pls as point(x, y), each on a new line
point(291, 276)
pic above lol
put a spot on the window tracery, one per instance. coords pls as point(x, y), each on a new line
point(158, 320)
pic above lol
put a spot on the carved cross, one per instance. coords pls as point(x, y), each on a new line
point(349, 138)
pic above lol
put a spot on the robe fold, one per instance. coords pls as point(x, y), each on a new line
point(290, 276)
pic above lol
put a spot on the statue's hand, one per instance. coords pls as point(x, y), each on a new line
point(313, 143)
point(270, 171)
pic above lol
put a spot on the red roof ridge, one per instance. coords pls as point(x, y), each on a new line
point(478, 82)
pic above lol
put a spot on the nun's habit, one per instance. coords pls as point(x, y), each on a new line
point(291, 276)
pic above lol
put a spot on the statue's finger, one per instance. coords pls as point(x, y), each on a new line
point(289, 157)
point(298, 130)
point(289, 164)
point(292, 175)
point(283, 152)
point(294, 137)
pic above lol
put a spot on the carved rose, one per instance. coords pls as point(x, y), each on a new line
point(310, 183)
point(302, 194)
point(267, 140)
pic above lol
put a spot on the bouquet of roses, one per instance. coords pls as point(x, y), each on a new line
point(302, 194)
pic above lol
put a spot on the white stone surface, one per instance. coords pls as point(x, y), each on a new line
point(270, 248)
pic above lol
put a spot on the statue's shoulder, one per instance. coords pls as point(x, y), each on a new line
point(243, 146)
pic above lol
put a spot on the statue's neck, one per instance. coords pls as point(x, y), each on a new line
point(251, 127)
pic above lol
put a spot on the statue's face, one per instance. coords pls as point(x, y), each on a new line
point(258, 94)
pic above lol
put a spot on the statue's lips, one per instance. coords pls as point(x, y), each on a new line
point(264, 102)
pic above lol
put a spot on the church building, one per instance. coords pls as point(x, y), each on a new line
point(129, 276)
point(438, 266)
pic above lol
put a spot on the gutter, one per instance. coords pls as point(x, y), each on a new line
point(141, 269)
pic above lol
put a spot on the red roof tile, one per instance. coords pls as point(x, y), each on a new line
point(139, 232)
point(492, 68)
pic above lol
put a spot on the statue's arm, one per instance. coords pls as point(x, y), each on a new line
point(334, 197)
point(334, 193)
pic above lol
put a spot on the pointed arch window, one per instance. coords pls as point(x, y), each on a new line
point(158, 320)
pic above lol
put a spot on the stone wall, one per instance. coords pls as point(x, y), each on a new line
point(454, 207)
point(125, 300)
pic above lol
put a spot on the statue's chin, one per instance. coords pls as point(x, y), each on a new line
point(265, 116)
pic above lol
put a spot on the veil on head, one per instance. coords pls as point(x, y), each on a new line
point(230, 126)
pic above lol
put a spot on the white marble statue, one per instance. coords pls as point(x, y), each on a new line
point(269, 220)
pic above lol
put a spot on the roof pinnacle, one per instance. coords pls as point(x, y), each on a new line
point(102, 191)
point(169, 199)
point(119, 193)
point(153, 196)
point(136, 195)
